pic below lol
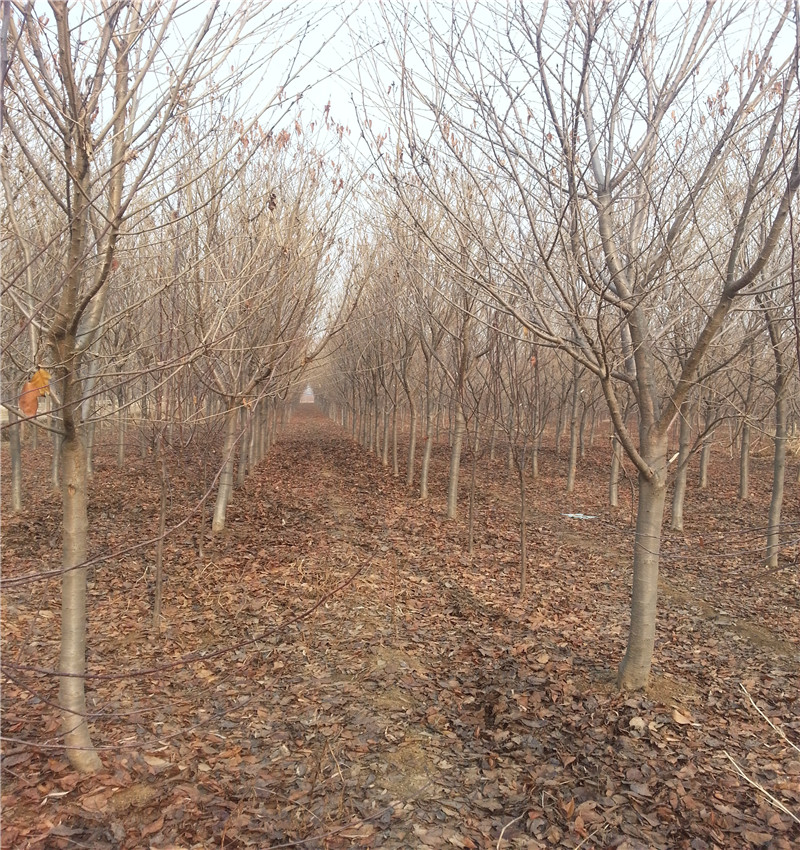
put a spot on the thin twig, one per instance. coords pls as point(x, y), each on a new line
point(773, 800)
point(776, 728)
point(503, 831)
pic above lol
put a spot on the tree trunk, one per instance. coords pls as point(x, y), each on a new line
point(523, 526)
point(635, 667)
point(90, 434)
point(121, 438)
point(778, 479)
point(616, 466)
point(573, 431)
point(72, 663)
point(510, 446)
point(395, 458)
point(412, 442)
point(226, 476)
point(426, 452)
point(472, 479)
point(273, 430)
point(15, 450)
point(244, 445)
point(455, 463)
point(681, 474)
point(705, 454)
point(744, 463)
point(385, 441)
point(55, 466)
point(559, 426)
point(581, 432)
point(162, 525)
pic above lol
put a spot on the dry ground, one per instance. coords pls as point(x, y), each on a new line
point(336, 671)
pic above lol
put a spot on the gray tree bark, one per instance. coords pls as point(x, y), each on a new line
point(72, 661)
point(744, 462)
point(459, 427)
point(225, 487)
point(681, 474)
point(15, 451)
point(634, 669)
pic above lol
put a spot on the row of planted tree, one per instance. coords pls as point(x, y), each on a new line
point(171, 248)
point(599, 191)
point(422, 357)
point(583, 209)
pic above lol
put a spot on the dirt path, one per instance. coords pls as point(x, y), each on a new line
point(363, 683)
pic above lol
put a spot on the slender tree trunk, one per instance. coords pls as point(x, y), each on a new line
point(225, 487)
point(523, 525)
point(682, 472)
point(385, 441)
point(510, 446)
point(121, 437)
point(412, 442)
point(635, 667)
point(581, 430)
point(616, 466)
point(244, 445)
point(455, 463)
point(72, 663)
point(90, 434)
point(15, 451)
point(395, 458)
point(744, 463)
point(473, 476)
point(778, 480)
point(266, 434)
point(55, 466)
point(276, 417)
point(781, 429)
point(426, 452)
point(559, 426)
point(143, 417)
point(254, 458)
point(162, 525)
point(705, 455)
point(201, 536)
point(573, 430)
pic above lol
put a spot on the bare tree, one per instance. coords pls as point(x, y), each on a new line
point(93, 100)
point(610, 136)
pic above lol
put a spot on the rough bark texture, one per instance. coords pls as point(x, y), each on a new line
point(426, 451)
point(455, 463)
point(573, 431)
point(412, 443)
point(523, 526)
point(72, 663)
point(635, 667)
point(681, 474)
point(613, 480)
point(15, 450)
point(778, 481)
point(226, 476)
point(744, 463)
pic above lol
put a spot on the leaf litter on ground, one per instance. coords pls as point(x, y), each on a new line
point(335, 671)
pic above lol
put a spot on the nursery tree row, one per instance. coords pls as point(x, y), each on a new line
point(172, 253)
point(583, 202)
